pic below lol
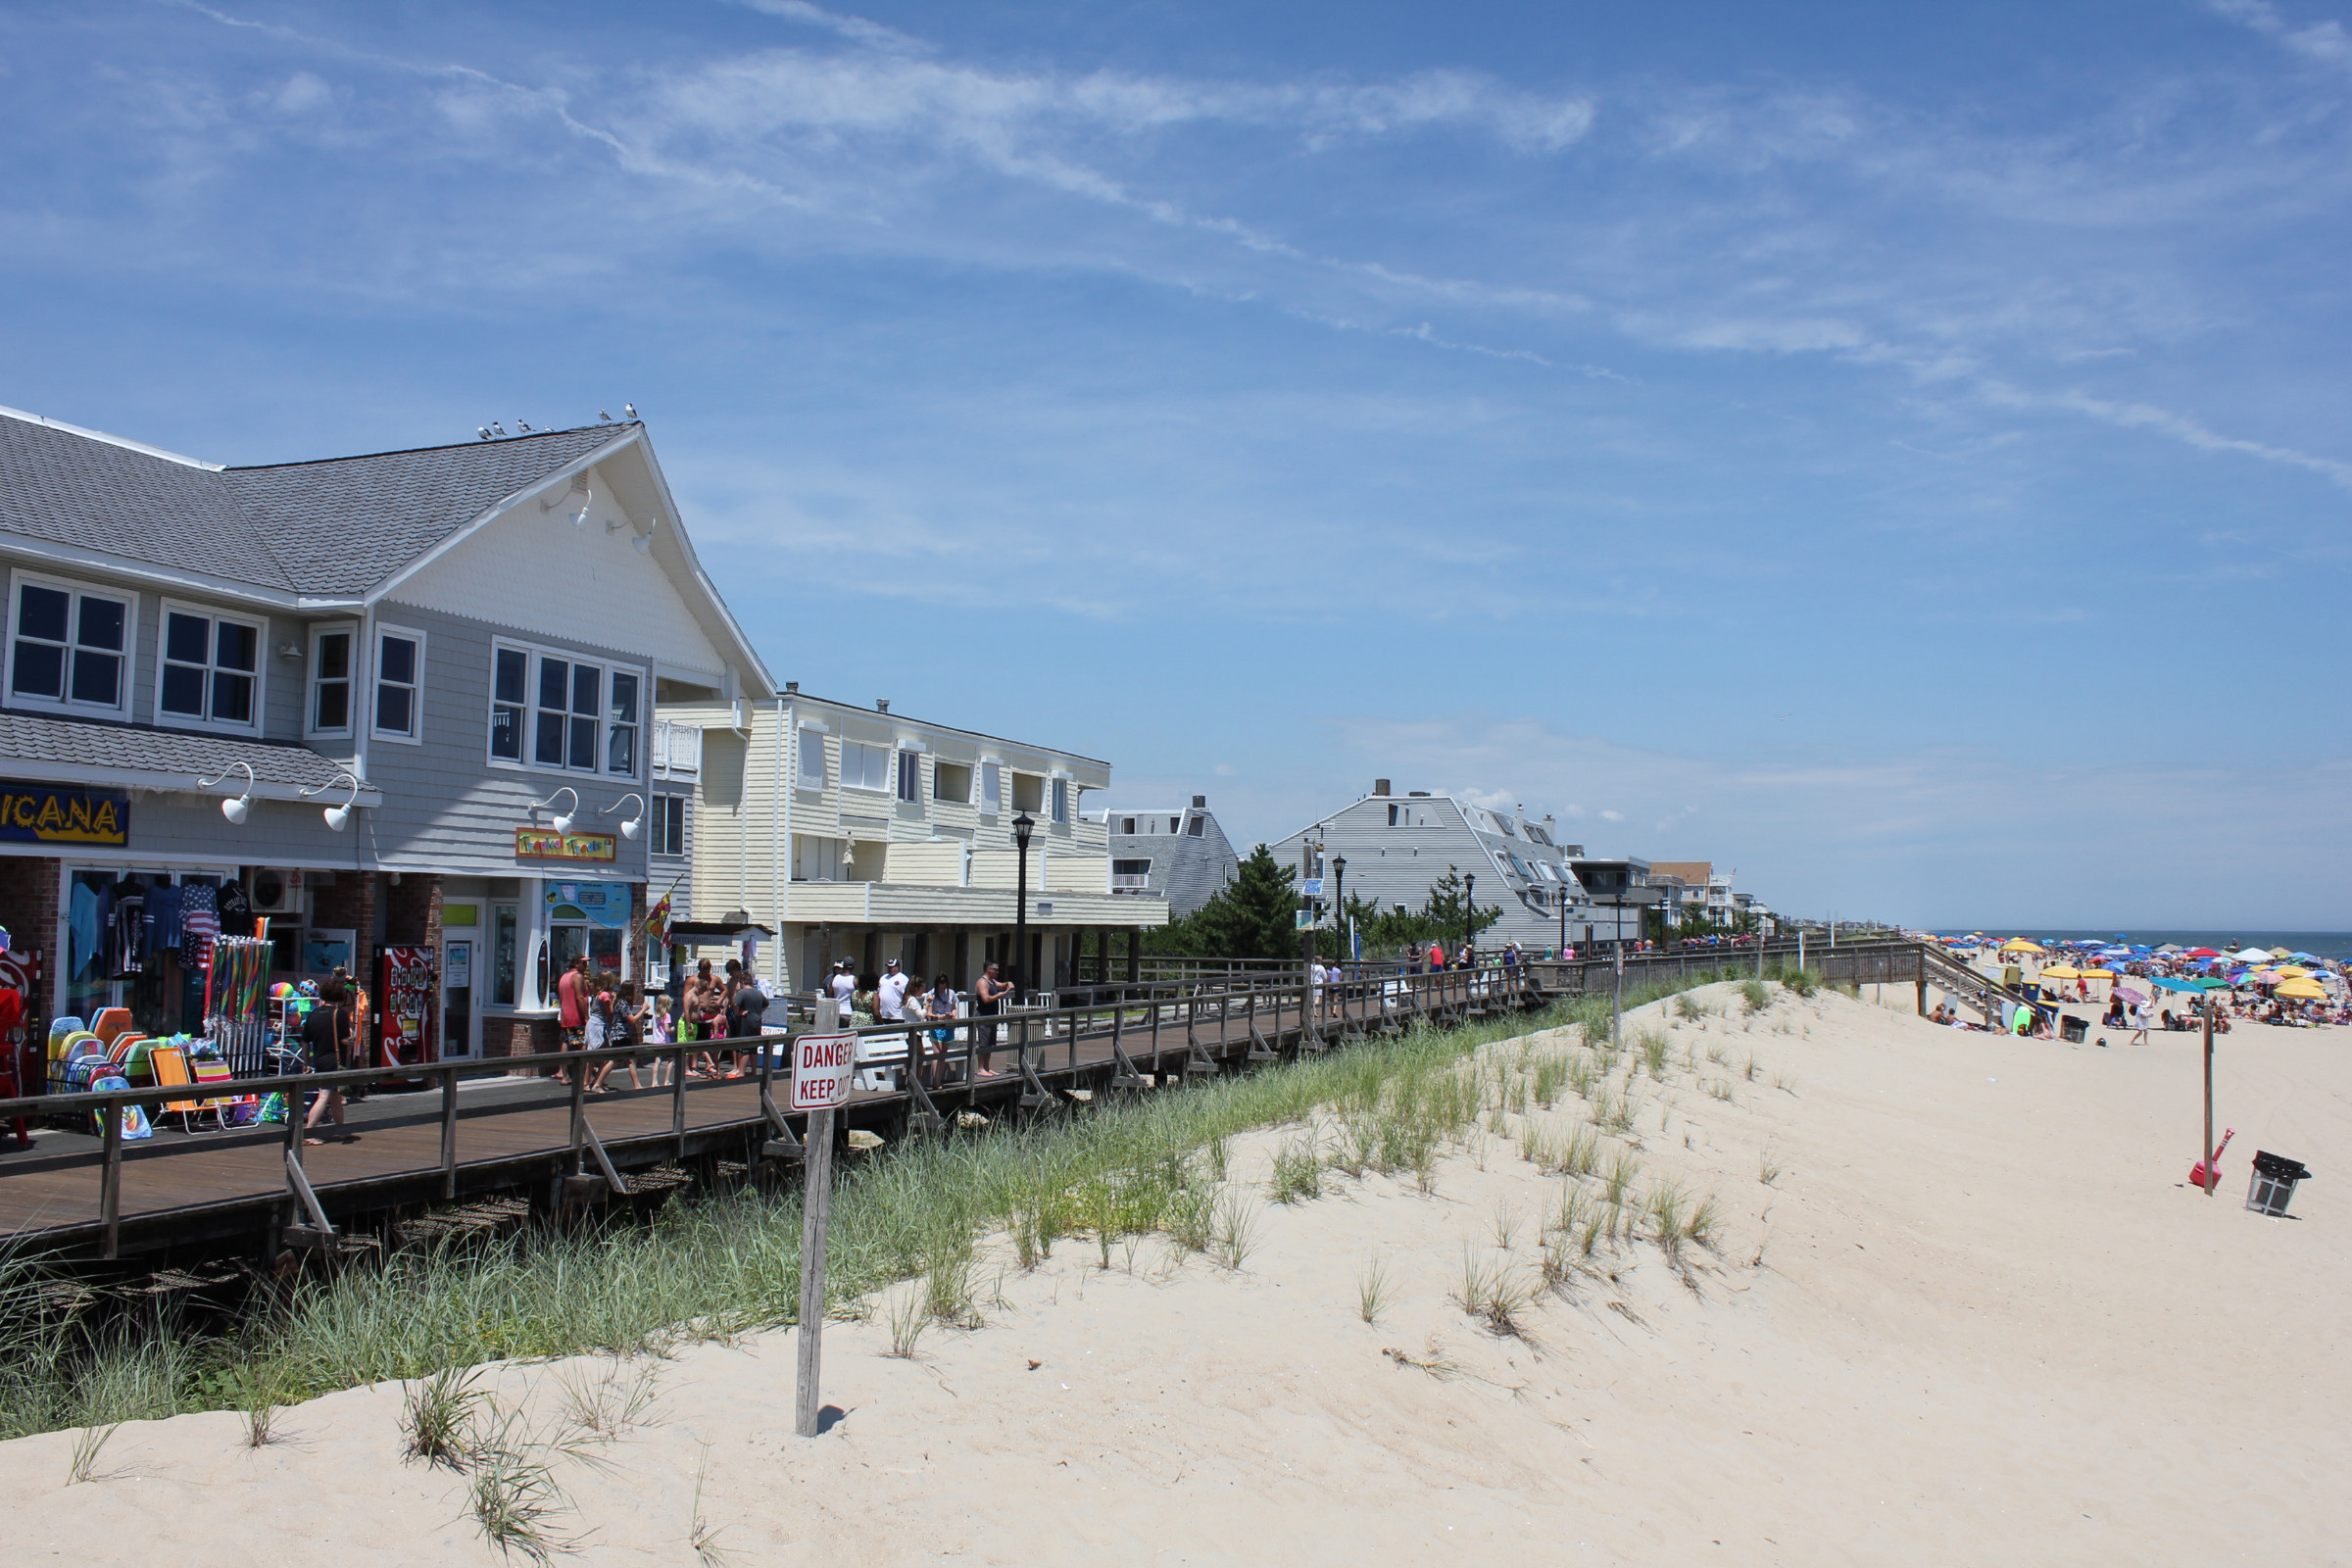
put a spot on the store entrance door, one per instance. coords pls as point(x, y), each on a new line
point(461, 1023)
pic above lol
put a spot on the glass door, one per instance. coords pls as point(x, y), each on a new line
point(459, 1035)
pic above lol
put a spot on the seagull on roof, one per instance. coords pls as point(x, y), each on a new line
point(482, 430)
point(629, 409)
point(498, 427)
point(520, 425)
point(602, 417)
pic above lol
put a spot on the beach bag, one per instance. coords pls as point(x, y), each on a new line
point(134, 1118)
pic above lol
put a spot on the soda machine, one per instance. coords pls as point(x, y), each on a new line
point(407, 993)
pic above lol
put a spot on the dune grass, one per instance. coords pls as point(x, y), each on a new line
point(1119, 1169)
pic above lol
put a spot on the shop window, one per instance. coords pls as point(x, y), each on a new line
point(1061, 799)
point(210, 668)
point(577, 716)
point(503, 953)
point(620, 729)
point(399, 684)
point(812, 758)
point(330, 683)
point(69, 647)
point(669, 826)
point(910, 776)
point(509, 687)
point(590, 918)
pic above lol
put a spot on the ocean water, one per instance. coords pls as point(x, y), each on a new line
point(2327, 944)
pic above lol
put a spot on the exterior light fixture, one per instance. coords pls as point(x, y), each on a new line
point(1022, 826)
point(635, 825)
point(563, 824)
point(338, 817)
point(236, 807)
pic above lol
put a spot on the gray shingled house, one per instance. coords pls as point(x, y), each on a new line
point(403, 698)
point(1176, 853)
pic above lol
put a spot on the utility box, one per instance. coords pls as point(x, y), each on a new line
point(2273, 1183)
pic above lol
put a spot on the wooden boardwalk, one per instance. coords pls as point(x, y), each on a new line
point(414, 1150)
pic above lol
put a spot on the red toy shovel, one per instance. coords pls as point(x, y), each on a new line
point(2196, 1172)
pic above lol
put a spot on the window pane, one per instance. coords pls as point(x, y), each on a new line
point(183, 689)
point(334, 656)
point(583, 743)
point(41, 670)
point(237, 646)
point(184, 638)
point(555, 683)
point(232, 697)
point(398, 661)
point(624, 697)
point(101, 625)
point(41, 613)
point(513, 675)
point(620, 748)
point(97, 678)
point(506, 733)
point(395, 710)
point(812, 760)
point(587, 685)
point(332, 711)
point(547, 743)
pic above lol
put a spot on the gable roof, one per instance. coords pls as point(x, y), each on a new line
point(1695, 873)
point(336, 528)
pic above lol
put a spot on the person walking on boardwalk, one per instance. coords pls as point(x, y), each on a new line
point(987, 1001)
point(939, 1008)
point(327, 1037)
point(572, 1008)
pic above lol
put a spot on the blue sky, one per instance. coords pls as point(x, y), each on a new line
point(1895, 451)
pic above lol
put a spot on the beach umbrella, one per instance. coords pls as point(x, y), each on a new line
point(2253, 956)
point(2303, 989)
point(2060, 971)
point(2171, 947)
point(2020, 944)
point(2294, 971)
point(2203, 952)
point(2098, 975)
point(2127, 991)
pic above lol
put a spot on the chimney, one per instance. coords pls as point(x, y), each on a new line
point(791, 688)
point(1380, 786)
point(1200, 802)
point(881, 705)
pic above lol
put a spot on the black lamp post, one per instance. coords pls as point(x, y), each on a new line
point(1469, 912)
point(1022, 826)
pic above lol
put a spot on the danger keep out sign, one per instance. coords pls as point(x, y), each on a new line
point(821, 1066)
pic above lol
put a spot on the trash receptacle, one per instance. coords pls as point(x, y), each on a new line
point(2273, 1183)
point(2072, 1029)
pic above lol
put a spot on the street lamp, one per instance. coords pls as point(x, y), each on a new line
point(1022, 826)
point(1469, 910)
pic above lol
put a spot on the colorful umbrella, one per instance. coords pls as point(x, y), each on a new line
point(2305, 990)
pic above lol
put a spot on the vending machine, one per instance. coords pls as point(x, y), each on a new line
point(407, 990)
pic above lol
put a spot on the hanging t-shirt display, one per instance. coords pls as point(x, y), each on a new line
point(235, 910)
point(131, 929)
point(164, 903)
point(199, 924)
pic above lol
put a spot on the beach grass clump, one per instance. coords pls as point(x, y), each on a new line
point(1755, 993)
point(1654, 1047)
point(1624, 1170)
point(1297, 1176)
point(1374, 1291)
point(1686, 1005)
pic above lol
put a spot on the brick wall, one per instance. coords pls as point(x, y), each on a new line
point(350, 905)
point(413, 911)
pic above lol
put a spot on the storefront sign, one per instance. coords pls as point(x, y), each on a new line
point(604, 904)
point(45, 813)
point(539, 844)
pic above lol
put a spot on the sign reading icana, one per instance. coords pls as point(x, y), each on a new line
point(51, 814)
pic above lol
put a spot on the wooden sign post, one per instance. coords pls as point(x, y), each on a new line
point(2213, 1174)
point(821, 1066)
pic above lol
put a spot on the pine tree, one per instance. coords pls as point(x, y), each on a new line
point(1253, 916)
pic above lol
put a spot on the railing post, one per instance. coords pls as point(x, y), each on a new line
point(110, 1181)
point(579, 1110)
point(449, 1132)
point(677, 1096)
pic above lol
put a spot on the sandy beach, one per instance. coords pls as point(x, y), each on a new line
point(1975, 1313)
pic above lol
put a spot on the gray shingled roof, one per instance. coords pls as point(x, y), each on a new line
point(148, 749)
point(335, 527)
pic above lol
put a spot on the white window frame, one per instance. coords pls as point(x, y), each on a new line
point(939, 774)
point(860, 784)
point(992, 787)
point(812, 749)
point(310, 679)
point(666, 809)
point(909, 767)
point(212, 618)
point(375, 682)
point(1057, 801)
point(75, 591)
point(534, 653)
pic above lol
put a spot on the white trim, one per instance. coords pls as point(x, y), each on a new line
point(350, 677)
point(66, 706)
point(205, 722)
point(375, 678)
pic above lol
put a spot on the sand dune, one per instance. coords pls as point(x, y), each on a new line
point(1976, 1315)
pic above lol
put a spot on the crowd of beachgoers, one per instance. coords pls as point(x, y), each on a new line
point(2167, 987)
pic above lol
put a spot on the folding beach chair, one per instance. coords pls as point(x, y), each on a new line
point(171, 1071)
